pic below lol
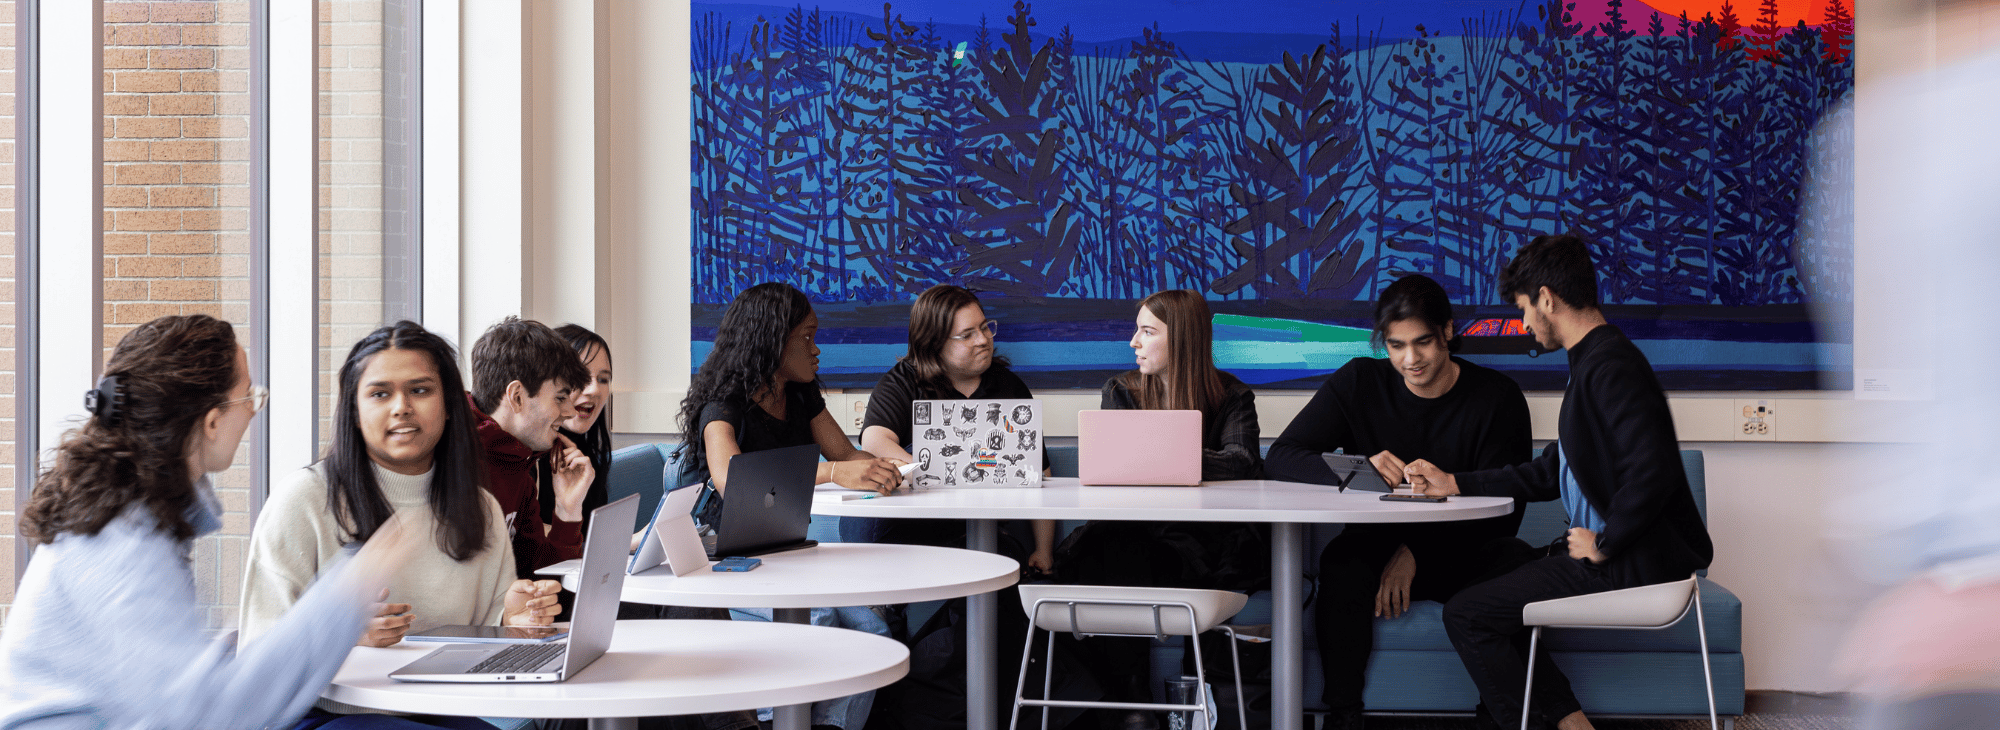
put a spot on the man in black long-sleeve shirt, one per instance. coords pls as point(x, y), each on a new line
point(1616, 466)
point(1419, 403)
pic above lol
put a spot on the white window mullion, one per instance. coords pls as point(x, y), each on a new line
point(294, 238)
point(70, 244)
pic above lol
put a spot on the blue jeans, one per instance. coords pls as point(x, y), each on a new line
point(850, 712)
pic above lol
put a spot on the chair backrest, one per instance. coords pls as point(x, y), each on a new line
point(1646, 607)
point(1543, 522)
point(1128, 610)
point(637, 470)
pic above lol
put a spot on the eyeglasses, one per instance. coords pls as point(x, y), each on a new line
point(991, 327)
point(258, 396)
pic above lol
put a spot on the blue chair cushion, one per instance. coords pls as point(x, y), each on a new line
point(637, 470)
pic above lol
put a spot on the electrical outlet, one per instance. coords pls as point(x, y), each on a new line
point(1756, 420)
point(860, 408)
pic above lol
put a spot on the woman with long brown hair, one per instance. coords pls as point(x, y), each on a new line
point(105, 631)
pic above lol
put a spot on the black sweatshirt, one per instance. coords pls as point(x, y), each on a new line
point(1619, 437)
point(1365, 409)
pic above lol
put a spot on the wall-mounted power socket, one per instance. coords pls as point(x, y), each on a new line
point(1755, 420)
point(860, 408)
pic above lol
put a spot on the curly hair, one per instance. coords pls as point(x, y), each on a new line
point(748, 345)
point(174, 371)
point(458, 473)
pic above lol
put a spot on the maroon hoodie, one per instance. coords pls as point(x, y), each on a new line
point(510, 476)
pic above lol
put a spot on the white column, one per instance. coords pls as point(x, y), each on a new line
point(441, 172)
point(493, 137)
point(71, 238)
point(567, 42)
point(294, 215)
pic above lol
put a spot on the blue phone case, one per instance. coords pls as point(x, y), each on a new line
point(736, 565)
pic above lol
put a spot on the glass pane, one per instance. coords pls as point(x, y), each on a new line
point(176, 207)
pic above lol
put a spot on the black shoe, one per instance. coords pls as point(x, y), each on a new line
point(1348, 720)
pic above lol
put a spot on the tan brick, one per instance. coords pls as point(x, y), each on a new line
point(123, 151)
point(234, 290)
point(183, 291)
point(148, 220)
point(201, 266)
point(183, 197)
point(233, 105)
point(202, 127)
point(124, 290)
point(233, 197)
point(168, 127)
point(181, 104)
point(201, 174)
point(184, 12)
point(124, 243)
point(124, 12)
point(235, 219)
point(140, 313)
point(144, 35)
point(237, 150)
point(180, 58)
point(201, 220)
point(234, 243)
point(146, 267)
point(144, 82)
point(183, 151)
point(233, 13)
point(183, 243)
point(145, 174)
point(120, 196)
point(200, 81)
point(123, 57)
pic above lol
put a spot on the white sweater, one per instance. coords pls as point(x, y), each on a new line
point(105, 633)
point(297, 536)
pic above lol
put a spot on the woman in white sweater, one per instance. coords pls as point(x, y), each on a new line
point(105, 631)
point(403, 445)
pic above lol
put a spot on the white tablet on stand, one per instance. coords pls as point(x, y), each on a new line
point(670, 537)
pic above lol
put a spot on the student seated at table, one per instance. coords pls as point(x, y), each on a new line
point(1172, 345)
point(950, 358)
point(588, 428)
point(402, 447)
point(1615, 465)
point(105, 630)
point(759, 390)
point(523, 375)
point(1419, 403)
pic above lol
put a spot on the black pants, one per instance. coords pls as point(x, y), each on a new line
point(1350, 574)
point(1484, 623)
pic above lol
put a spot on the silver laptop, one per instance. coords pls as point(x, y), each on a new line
point(974, 444)
point(597, 593)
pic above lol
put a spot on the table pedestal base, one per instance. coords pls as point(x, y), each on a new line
point(614, 723)
point(1287, 626)
point(789, 717)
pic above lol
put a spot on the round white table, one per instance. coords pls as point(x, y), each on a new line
point(652, 668)
point(793, 582)
point(830, 574)
point(1285, 505)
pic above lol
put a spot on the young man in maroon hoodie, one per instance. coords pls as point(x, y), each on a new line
point(523, 374)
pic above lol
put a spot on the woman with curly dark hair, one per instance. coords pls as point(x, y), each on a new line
point(105, 631)
point(759, 390)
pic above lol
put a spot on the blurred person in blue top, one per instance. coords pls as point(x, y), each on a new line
point(105, 631)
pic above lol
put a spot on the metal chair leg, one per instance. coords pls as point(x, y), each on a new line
point(1534, 641)
point(1048, 678)
point(1707, 674)
point(1021, 683)
point(1236, 662)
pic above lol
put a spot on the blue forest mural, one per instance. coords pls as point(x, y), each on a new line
point(1286, 158)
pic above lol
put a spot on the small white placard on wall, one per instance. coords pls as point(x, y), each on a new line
point(1892, 384)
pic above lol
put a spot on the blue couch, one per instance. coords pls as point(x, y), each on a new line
point(1414, 669)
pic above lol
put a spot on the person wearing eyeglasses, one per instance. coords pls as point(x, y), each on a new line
point(950, 357)
point(106, 630)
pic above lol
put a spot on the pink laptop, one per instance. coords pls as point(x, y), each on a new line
point(1138, 448)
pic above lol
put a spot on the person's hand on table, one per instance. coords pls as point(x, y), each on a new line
point(389, 623)
point(1429, 480)
point(1583, 545)
point(1393, 597)
point(531, 603)
point(869, 475)
point(1390, 467)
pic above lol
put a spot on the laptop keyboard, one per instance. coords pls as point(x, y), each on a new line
point(518, 658)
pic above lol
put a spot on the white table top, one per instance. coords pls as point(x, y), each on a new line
point(653, 668)
point(1252, 500)
point(831, 574)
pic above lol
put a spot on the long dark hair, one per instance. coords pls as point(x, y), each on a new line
point(1195, 383)
point(597, 442)
point(173, 371)
point(1415, 297)
point(458, 476)
point(748, 345)
point(930, 329)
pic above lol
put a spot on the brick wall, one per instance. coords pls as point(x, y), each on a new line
point(7, 501)
point(176, 206)
point(351, 186)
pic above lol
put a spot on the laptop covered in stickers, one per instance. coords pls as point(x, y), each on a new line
point(976, 444)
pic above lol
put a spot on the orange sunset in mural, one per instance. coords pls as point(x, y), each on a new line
point(1790, 12)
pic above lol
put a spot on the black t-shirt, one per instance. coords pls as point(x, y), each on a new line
point(1365, 409)
point(758, 430)
point(889, 405)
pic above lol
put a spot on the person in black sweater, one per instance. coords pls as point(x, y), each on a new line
point(951, 357)
point(1615, 465)
point(1419, 403)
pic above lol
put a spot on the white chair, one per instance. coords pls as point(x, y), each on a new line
point(1125, 611)
point(1656, 606)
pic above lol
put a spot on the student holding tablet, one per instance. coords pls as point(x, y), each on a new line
point(105, 631)
point(1418, 403)
point(403, 445)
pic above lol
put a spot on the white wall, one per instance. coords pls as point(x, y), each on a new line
point(1768, 501)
